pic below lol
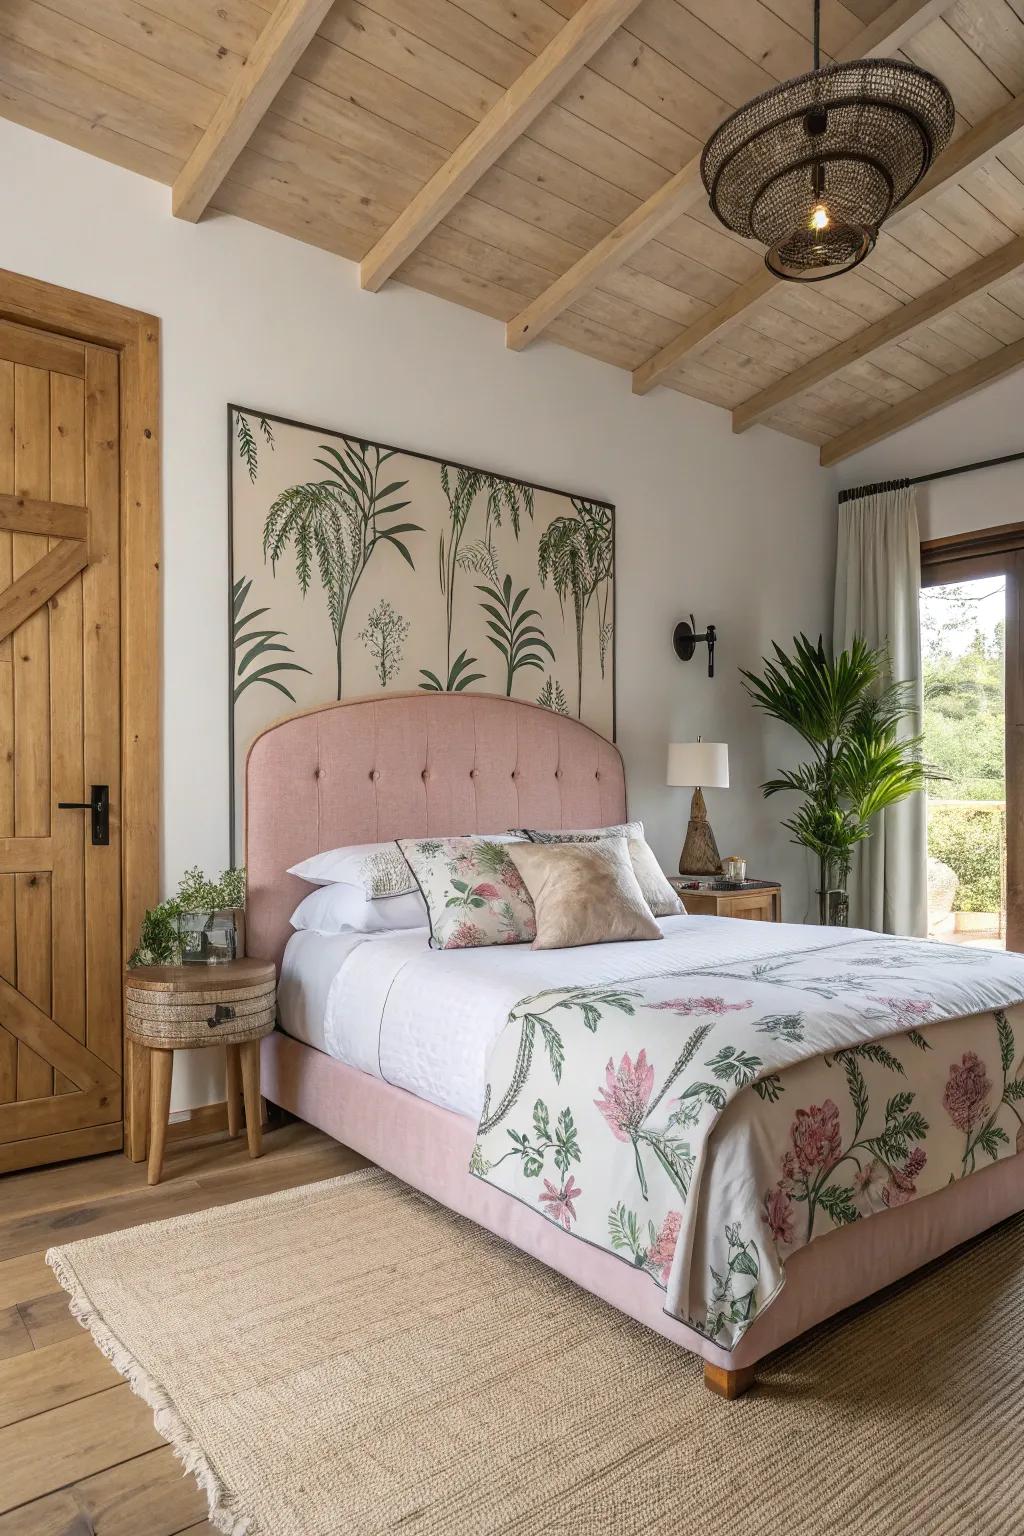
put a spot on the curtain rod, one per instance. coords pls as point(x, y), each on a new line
point(939, 474)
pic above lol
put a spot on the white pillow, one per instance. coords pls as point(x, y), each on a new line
point(377, 869)
point(340, 908)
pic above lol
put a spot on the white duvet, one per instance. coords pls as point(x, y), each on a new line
point(425, 1019)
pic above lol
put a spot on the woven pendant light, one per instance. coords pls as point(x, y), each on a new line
point(813, 167)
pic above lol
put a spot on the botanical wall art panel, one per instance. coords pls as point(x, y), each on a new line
point(357, 567)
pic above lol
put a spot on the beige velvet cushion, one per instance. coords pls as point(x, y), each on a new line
point(583, 893)
point(658, 894)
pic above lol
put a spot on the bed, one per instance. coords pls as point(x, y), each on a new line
point(367, 1064)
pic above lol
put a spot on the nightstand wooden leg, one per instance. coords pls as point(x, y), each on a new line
point(249, 1051)
point(233, 1089)
point(161, 1065)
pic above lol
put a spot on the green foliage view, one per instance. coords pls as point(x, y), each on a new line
point(964, 740)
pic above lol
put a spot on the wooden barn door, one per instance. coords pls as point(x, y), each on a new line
point(60, 864)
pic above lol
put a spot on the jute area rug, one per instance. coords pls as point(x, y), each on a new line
point(348, 1359)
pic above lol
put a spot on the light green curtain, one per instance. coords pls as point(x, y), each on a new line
point(878, 588)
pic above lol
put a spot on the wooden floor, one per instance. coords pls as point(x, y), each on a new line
point(78, 1451)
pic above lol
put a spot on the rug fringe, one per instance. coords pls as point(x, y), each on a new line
point(224, 1511)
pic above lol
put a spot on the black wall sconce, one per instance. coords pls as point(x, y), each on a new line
point(685, 641)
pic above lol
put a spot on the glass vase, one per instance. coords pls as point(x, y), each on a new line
point(208, 938)
point(834, 908)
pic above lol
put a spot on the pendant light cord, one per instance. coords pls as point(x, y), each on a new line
point(817, 34)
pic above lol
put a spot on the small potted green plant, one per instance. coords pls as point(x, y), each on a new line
point(203, 923)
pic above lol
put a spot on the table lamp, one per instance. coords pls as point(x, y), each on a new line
point(692, 764)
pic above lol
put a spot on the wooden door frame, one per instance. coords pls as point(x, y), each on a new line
point(966, 557)
point(135, 337)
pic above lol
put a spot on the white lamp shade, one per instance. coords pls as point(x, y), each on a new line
point(698, 763)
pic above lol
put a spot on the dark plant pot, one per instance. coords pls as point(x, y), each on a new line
point(833, 909)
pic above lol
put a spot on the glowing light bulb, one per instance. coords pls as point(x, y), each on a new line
point(820, 217)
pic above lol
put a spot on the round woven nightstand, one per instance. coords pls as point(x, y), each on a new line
point(184, 1007)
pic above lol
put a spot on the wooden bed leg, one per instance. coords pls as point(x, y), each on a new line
point(728, 1384)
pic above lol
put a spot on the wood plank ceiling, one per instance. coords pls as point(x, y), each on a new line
point(535, 160)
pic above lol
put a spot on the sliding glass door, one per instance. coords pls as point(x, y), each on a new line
point(971, 645)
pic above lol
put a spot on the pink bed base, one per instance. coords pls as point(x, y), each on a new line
point(415, 765)
point(429, 1148)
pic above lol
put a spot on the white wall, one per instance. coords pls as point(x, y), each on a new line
point(738, 529)
point(982, 426)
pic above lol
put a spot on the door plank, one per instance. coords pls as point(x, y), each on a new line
point(70, 828)
point(32, 645)
point(54, 519)
point(6, 577)
point(101, 704)
point(23, 856)
point(48, 1378)
point(32, 916)
point(37, 1151)
point(8, 973)
point(45, 1118)
point(59, 1447)
point(31, 660)
point(28, 1022)
point(22, 604)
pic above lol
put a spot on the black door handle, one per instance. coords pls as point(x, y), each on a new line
point(99, 805)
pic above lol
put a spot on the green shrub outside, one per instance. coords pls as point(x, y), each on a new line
point(970, 842)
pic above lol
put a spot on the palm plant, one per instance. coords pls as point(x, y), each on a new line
point(519, 641)
point(849, 711)
point(337, 523)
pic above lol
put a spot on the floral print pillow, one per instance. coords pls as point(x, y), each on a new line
point(474, 893)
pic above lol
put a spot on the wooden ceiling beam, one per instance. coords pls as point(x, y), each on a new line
point(276, 52)
point(886, 34)
point(964, 155)
point(973, 279)
point(536, 88)
point(951, 388)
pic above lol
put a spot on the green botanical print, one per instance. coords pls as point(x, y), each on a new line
point(576, 554)
point(252, 645)
point(248, 451)
point(384, 636)
point(337, 523)
point(552, 696)
point(734, 1291)
point(461, 487)
point(520, 642)
point(561, 1142)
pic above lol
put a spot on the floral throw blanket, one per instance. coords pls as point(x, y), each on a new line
point(703, 1125)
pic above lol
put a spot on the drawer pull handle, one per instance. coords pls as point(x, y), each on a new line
point(221, 1014)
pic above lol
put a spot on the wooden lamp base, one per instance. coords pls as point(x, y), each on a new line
point(700, 854)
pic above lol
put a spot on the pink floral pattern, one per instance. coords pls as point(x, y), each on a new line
point(623, 1099)
point(780, 1214)
point(967, 1092)
point(663, 1250)
point(559, 1202)
point(817, 1136)
point(474, 893)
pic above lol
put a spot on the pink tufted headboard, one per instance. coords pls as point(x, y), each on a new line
point(410, 765)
